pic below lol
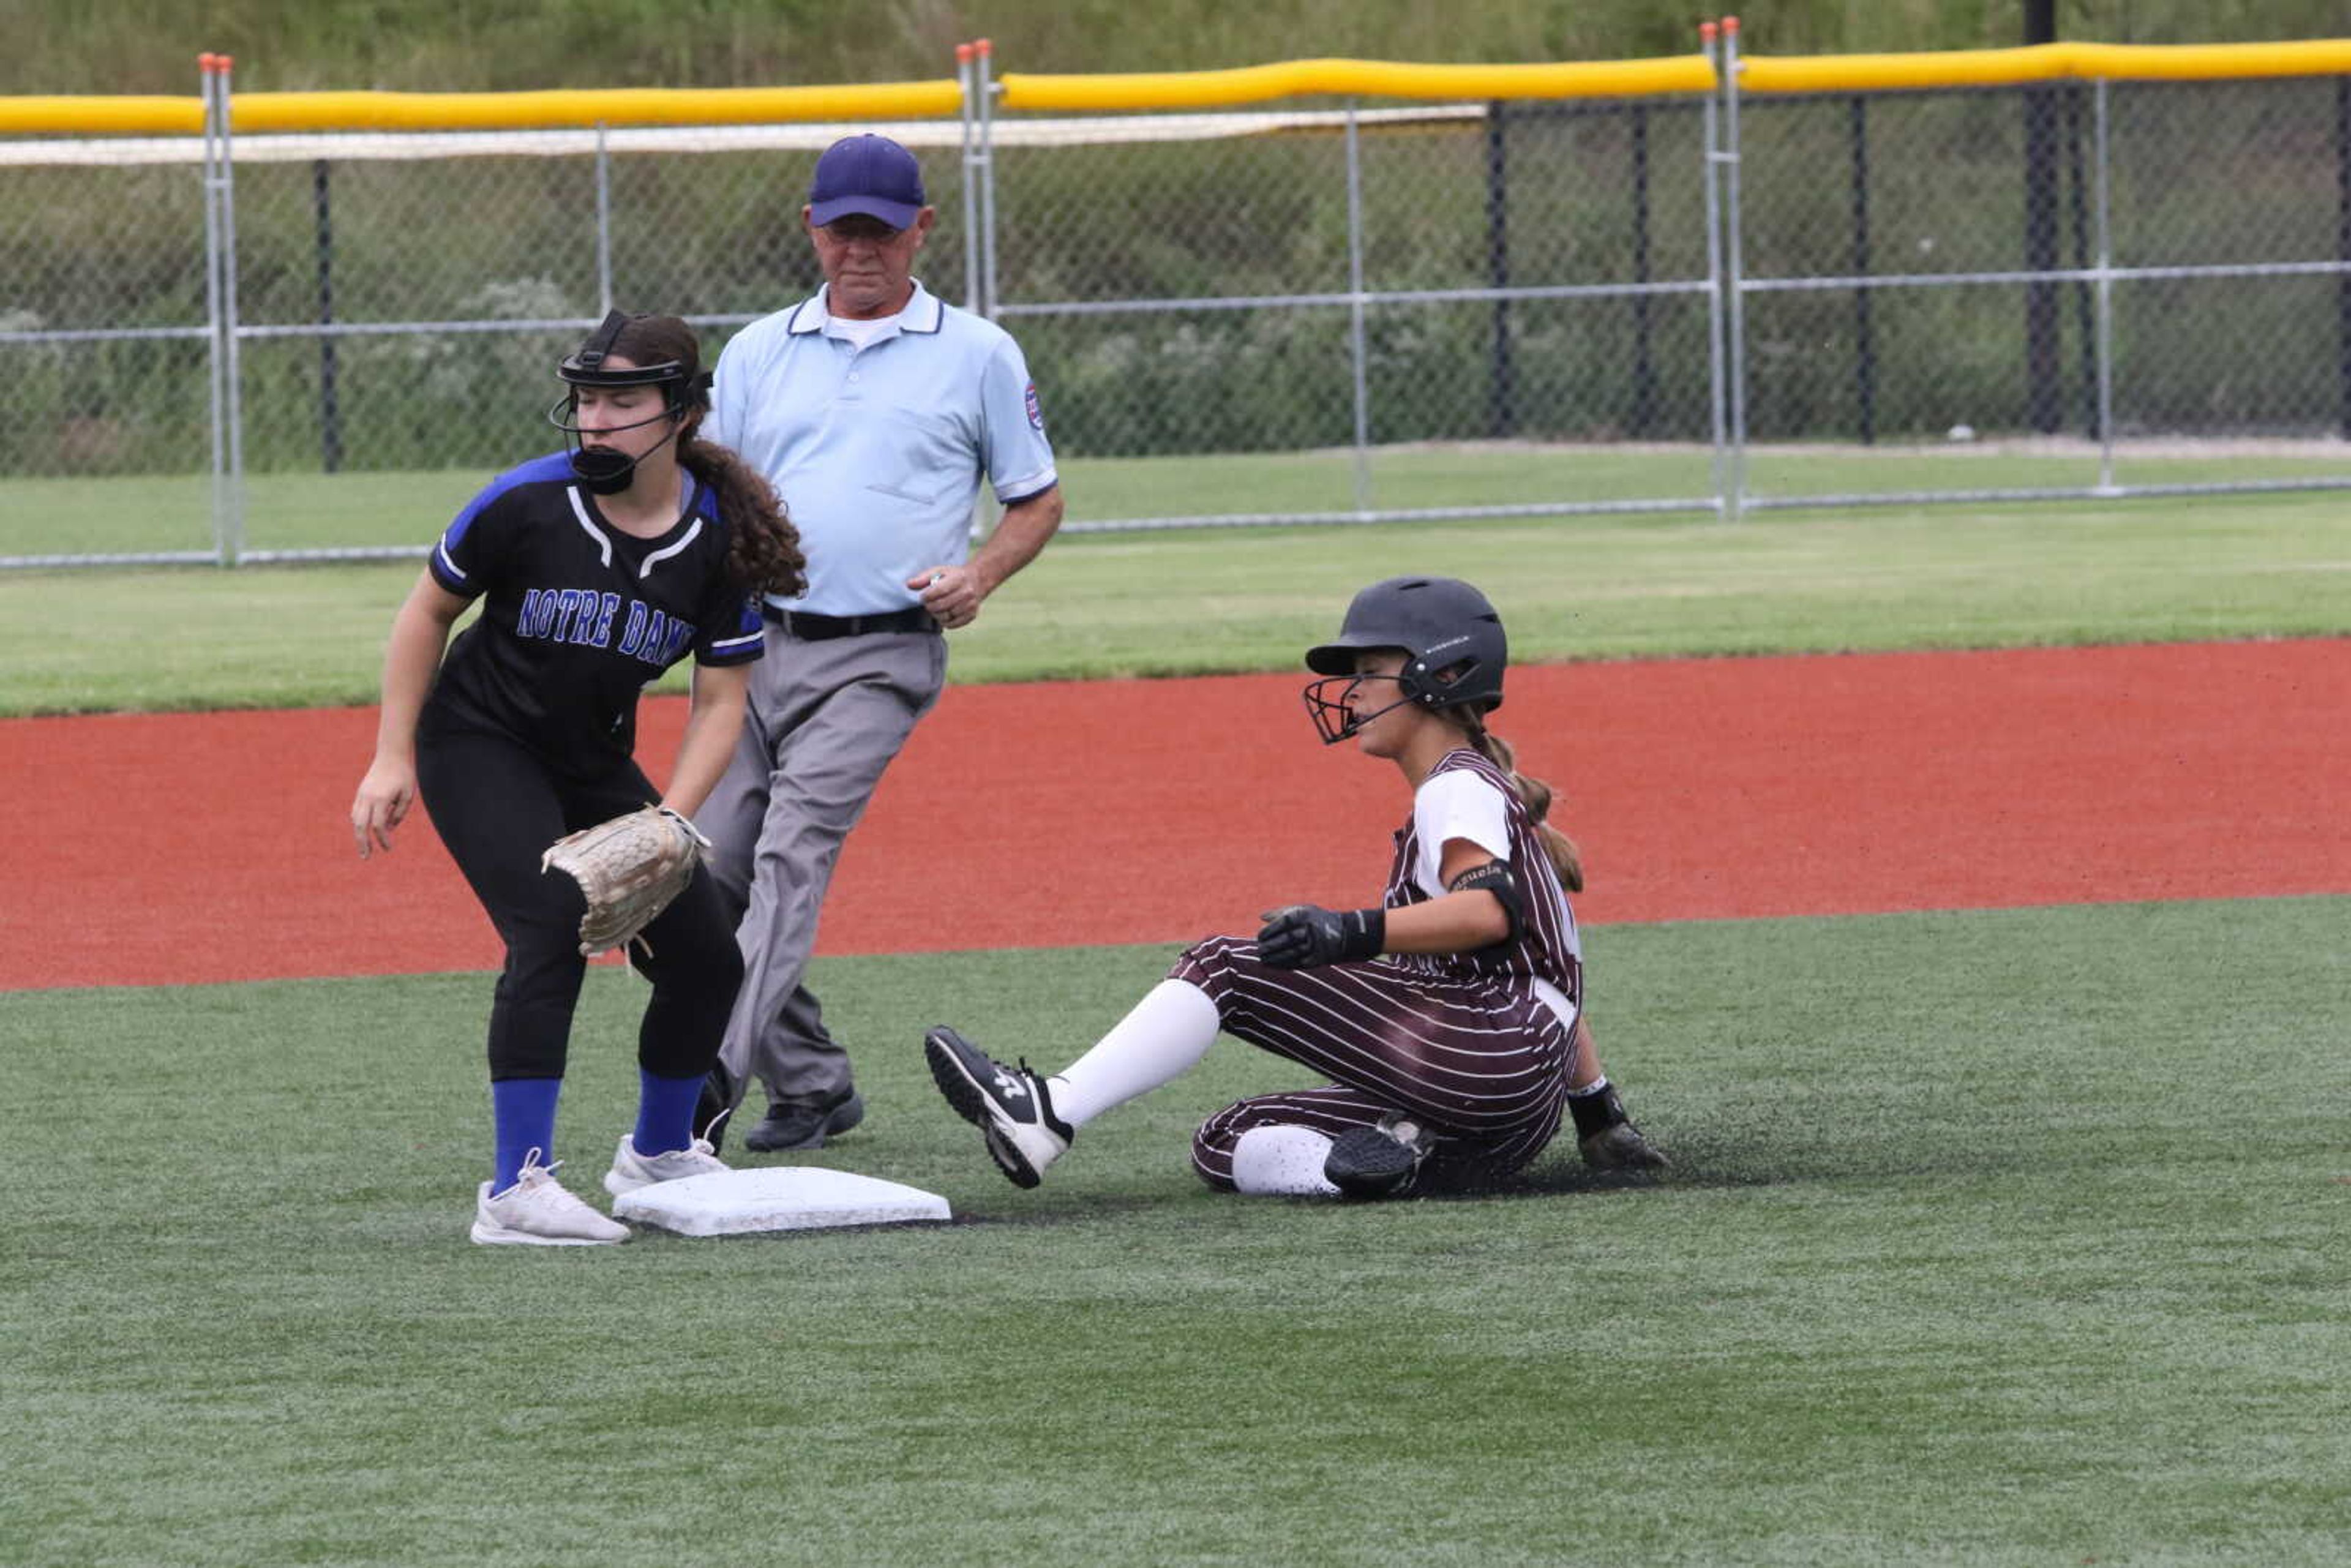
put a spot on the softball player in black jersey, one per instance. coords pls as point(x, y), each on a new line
point(598, 568)
point(1449, 1018)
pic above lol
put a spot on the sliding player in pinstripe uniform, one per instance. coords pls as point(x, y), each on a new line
point(1449, 1018)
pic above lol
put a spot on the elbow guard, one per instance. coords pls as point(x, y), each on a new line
point(1496, 878)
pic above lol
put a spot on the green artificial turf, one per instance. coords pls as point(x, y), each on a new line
point(1203, 601)
point(2003, 1237)
point(374, 509)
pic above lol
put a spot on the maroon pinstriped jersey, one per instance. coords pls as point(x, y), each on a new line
point(1546, 945)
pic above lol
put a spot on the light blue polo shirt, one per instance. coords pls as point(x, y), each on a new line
point(878, 452)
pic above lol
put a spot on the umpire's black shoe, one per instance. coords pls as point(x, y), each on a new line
point(1379, 1161)
point(714, 1108)
point(806, 1123)
point(1010, 1105)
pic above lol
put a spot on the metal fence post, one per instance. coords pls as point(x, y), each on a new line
point(2343, 247)
point(1864, 342)
point(1356, 347)
point(1736, 327)
point(331, 419)
point(228, 495)
point(2106, 304)
point(986, 70)
point(1711, 154)
point(964, 84)
point(980, 275)
point(216, 354)
point(603, 224)
point(2084, 297)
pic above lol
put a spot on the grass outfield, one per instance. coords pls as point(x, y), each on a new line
point(310, 511)
point(1199, 601)
point(2007, 1237)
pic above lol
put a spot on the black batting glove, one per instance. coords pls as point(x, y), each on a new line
point(1307, 937)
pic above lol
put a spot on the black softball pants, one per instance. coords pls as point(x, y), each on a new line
point(498, 808)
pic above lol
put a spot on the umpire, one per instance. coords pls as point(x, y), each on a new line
point(874, 408)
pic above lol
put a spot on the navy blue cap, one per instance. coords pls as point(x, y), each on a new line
point(870, 174)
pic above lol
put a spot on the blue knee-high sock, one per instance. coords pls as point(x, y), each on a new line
point(523, 1111)
point(664, 1112)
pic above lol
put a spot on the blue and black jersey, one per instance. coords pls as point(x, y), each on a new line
point(578, 616)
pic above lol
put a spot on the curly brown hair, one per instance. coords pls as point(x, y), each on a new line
point(763, 547)
point(763, 550)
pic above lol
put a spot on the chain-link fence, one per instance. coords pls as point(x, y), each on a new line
point(104, 337)
point(2067, 286)
point(404, 300)
point(1698, 302)
point(1383, 296)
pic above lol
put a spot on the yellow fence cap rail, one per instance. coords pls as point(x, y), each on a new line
point(288, 111)
point(128, 115)
point(2044, 62)
point(1114, 92)
point(132, 115)
point(261, 111)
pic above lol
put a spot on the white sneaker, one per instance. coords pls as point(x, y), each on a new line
point(537, 1212)
point(631, 1170)
point(1010, 1105)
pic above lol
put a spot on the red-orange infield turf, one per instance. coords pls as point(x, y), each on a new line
point(185, 848)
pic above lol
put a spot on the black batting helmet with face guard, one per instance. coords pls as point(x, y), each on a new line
point(684, 389)
point(1452, 638)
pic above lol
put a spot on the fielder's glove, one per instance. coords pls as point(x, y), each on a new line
point(1307, 937)
point(629, 869)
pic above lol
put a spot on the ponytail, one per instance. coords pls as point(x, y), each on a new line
point(1536, 795)
point(763, 548)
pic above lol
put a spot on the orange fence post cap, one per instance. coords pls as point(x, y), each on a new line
point(1731, 24)
point(984, 46)
point(1706, 30)
point(963, 52)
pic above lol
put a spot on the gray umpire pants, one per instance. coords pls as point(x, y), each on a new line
point(824, 719)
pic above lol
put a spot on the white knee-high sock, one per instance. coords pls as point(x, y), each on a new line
point(1163, 1037)
point(1283, 1161)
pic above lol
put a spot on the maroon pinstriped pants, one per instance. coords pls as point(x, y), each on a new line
point(1484, 1063)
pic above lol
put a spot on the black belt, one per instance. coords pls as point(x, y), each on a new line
point(810, 628)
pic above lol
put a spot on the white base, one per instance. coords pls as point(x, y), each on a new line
point(776, 1197)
